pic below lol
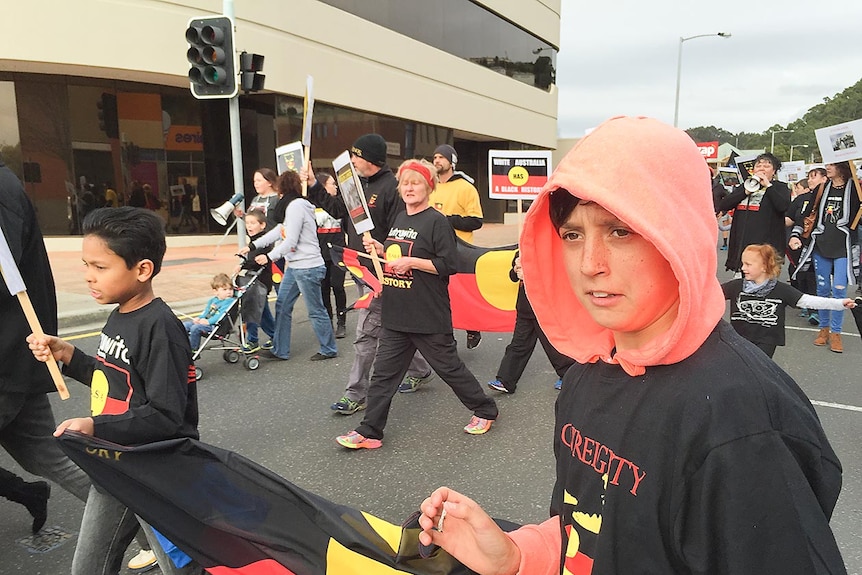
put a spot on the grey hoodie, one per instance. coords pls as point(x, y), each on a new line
point(298, 233)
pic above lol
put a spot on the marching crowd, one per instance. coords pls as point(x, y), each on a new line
point(666, 413)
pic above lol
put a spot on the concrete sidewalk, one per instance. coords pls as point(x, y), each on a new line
point(189, 265)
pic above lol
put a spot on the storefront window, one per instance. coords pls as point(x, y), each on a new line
point(469, 31)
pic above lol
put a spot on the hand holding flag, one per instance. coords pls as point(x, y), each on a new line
point(15, 283)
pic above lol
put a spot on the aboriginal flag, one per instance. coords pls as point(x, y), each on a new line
point(235, 517)
point(348, 259)
point(481, 293)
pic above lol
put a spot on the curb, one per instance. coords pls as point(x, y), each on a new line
point(93, 319)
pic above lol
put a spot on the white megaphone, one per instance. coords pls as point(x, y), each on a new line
point(223, 212)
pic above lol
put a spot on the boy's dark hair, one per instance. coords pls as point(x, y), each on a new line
point(561, 204)
point(258, 215)
point(776, 163)
point(134, 234)
point(803, 183)
point(221, 280)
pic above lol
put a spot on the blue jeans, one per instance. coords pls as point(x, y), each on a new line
point(831, 278)
point(304, 281)
point(107, 528)
point(26, 432)
point(267, 322)
point(196, 331)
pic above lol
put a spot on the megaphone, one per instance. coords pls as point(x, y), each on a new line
point(752, 185)
point(223, 212)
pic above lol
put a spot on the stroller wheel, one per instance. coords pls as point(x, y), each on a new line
point(198, 373)
point(231, 356)
point(251, 363)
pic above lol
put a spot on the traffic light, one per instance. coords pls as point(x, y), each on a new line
point(213, 71)
point(249, 66)
point(108, 119)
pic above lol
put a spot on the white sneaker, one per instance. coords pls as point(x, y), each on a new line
point(143, 561)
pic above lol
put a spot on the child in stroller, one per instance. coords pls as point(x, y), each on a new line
point(229, 315)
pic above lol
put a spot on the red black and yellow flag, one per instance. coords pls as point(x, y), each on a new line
point(348, 259)
point(235, 517)
point(482, 294)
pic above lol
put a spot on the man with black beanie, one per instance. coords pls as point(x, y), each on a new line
point(368, 156)
point(458, 199)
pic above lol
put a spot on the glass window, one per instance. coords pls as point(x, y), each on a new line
point(10, 141)
point(464, 29)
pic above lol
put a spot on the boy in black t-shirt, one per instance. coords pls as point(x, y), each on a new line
point(142, 378)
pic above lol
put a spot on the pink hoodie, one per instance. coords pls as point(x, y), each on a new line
point(637, 169)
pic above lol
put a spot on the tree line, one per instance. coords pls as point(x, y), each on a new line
point(842, 107)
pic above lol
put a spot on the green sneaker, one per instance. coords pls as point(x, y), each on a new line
point(411, 384)
point(346, 406)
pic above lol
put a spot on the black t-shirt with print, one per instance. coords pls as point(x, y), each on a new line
point(418, 302)
point(716, 464)
point(760, 318)
point(832, 242)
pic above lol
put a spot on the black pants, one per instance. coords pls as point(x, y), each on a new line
point(334, 282)
point(394, 353)
point(519, 350)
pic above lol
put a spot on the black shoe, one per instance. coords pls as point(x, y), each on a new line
point(474, 338)
point(267, 353)
point(320, 357)
point(35, 498)
point(340, 331)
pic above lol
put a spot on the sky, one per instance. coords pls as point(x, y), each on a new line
point(619, 57)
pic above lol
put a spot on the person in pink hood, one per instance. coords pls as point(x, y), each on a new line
point(680, 447)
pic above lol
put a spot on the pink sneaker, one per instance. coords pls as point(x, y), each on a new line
point(478, 426)
point(355, 441)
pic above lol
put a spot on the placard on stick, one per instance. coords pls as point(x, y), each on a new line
point(15, 283)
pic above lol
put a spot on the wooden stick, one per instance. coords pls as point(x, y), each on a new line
point(306, 151)
point(520, 218)
point(376, 260)
point(36, 328)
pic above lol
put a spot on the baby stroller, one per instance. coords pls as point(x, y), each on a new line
point(222, 336)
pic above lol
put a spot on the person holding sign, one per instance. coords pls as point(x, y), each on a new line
point(457, 198)
point(368, 156)
point(420, 254)
point(832, 246)
point(26, 419)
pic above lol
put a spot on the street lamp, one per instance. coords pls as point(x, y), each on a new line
point(679, 69)
point(796, 146)
point(772, 145)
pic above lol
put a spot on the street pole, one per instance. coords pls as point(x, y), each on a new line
point(795, 146)
point(772, 145)
point(679, 69)
point(236, 145)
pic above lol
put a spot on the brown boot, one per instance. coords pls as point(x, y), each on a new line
point(822, 336)
point(835, 343)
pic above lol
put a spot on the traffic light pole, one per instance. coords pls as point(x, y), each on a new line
point(236, 145)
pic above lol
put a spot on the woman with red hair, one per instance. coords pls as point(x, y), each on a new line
point(420, 254)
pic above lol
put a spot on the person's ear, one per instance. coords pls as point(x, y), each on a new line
point(145, 270)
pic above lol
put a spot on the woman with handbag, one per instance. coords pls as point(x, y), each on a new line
point(833, 247)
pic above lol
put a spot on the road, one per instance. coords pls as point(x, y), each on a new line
point(279, 416)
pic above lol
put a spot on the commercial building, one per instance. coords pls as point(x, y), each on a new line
point(478, 75)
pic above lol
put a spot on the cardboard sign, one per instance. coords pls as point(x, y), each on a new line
point(289, 157)
point(351, 190)
point(517, 174)
point(841, 142)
